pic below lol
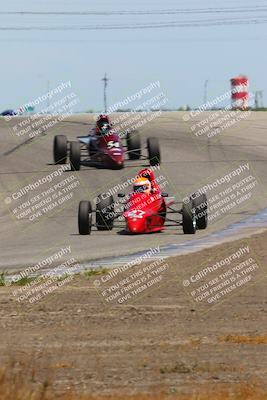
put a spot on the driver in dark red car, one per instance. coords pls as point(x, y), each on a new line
point(103, 127)
point(102, 122)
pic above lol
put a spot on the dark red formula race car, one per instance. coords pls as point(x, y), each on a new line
point(104, 148)
point(146, 209)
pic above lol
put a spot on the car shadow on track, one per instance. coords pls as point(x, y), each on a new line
point(98, 165)
point(124, 232)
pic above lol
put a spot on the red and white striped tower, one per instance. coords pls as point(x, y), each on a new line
point(240, 93)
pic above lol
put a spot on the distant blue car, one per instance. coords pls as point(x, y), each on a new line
point(8, 112)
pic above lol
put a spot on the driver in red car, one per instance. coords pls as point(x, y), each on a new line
point(150, 176)
point(142, 185)
point(145, 184)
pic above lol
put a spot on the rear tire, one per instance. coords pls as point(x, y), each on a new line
point(104, 213)
point(85, 217)
point(201, 210)
point(60, 149)
point(189, 219)
point(75, 156)
point(153, 151)
point(134, 143)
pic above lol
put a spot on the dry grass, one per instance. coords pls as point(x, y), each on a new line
point(244, 339)
point(14, 386)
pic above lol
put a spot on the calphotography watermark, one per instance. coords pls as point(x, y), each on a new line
point(60, 104)
point(126, 184)
point(137, 110)
point(120, 198)
point(42, 195)
point(132, 280)
point(36, 282)
point(228, 272)
point(210, 124)
point(217, 122)
point(228, 192)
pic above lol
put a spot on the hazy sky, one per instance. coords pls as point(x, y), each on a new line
point(180, 58)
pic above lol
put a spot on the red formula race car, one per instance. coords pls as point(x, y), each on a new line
point(104, 148)
point(146, 209)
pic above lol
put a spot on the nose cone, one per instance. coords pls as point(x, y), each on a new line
point(117, 157)
point(136, 225)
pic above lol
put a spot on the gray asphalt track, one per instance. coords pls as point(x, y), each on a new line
point(188, 162)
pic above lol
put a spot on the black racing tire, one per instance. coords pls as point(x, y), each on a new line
point(60, 149)
point(104, 213)
point(189, 219)
point(153, 151)
point(134, 143)
point(75, 156)
point(201, 210)
point(85, 217)
point(117, 167)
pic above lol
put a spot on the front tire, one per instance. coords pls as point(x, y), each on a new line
point(134, 145)
point(189, 219)
point(104, 213)
point(153, 151)
point(75, 156)
point(60, 149)
point(201, 210)
point(85, 217)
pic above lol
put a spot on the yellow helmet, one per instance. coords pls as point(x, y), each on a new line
point(142, 185)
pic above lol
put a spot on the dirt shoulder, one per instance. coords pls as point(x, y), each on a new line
point(160, 340)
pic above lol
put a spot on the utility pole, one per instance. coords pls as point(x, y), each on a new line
point(105, 80)
point(205, 91)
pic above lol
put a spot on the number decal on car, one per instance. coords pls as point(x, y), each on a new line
point(136, 214)
point(111, 145)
